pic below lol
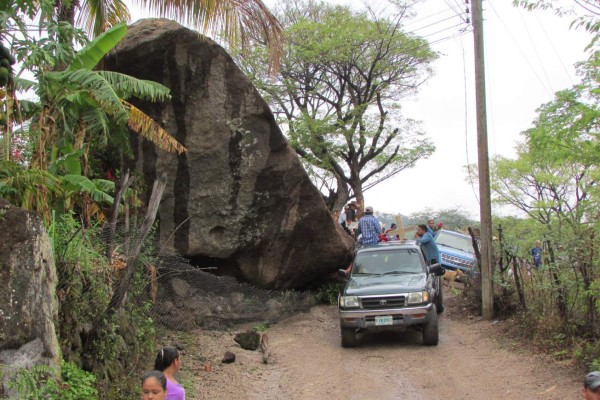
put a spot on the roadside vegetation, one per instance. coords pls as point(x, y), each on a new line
point(64, 136)
point(552, 184)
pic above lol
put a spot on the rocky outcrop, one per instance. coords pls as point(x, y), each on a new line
point(28, 302)
point(240, 194)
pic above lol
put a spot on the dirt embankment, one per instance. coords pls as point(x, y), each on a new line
point(308, 363)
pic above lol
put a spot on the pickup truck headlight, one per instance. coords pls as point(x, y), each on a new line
point(349, 302)
point(418, 297)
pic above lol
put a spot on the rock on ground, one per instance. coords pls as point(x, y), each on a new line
point(28, 302)
point(239, 194)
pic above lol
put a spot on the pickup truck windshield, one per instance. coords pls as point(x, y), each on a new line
point(388, 262)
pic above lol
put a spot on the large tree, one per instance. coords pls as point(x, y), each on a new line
point(341, 78)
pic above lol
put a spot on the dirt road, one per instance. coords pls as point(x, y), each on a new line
point(309, 363)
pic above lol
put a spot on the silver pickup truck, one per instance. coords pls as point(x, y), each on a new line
point(391, 286)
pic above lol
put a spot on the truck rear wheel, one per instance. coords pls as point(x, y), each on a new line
point(431, 334)
point(348, 337)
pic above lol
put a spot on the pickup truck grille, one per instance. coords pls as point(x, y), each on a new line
point(461, 262)
point(370, 303)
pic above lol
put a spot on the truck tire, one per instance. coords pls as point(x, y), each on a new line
point(431, 334)
point(439, 300)
point(348, 337)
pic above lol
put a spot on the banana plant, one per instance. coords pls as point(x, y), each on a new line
point(79, 110)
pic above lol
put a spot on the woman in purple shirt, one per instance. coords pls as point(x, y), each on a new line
point(168, 360)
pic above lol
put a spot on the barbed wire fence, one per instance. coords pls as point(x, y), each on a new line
point(185, 297)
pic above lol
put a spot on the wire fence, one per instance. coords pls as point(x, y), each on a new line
point(185, 297)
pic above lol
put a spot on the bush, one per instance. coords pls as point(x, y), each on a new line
point(328, 292)
point(39, 383)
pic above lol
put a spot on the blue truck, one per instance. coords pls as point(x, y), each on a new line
point(456, 251)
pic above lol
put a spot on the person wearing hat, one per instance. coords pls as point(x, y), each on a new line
point(369, 228)
point(591, 386)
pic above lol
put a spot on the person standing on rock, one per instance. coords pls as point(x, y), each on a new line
point(591, 386)
point(369, 227)
point(168, 360)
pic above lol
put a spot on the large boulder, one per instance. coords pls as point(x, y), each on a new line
point(239, 194)
point(28, 302)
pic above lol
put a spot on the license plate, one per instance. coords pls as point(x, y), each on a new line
point(384, 320)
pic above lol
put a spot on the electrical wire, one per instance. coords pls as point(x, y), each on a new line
point(554, 49)
point(520, 50)
point(537, 54)
point(429, 16)
point(467, 122)
point(443, 30)
point(434, 23)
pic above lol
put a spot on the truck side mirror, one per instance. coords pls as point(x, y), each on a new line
point(342, 273)
point(436, 269)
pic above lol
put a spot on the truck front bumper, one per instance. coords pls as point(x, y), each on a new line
point(401, 317)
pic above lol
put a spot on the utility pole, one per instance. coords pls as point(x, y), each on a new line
point(485, 208)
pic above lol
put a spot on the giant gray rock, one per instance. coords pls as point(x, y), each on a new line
point(239, 195)
point(28, 302)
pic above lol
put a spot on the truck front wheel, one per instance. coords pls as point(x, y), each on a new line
point(431, 334)
point(348, 337)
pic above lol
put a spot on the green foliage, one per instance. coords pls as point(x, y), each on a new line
point(262, 327)
point(86, 284)
point(328, 292)
point(39, 383)
point(341, 80)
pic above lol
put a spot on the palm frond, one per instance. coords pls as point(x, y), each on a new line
point(146, 127)
point(236, 20)
point(23, 85)
point(95, 86)
point(90, 55)
point(80, 184)
point(96, 16)
point(96, 122)
point(25, 109)
point(127, 86)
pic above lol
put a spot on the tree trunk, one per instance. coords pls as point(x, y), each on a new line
point(475, 248)
point(124, 184)
point(516, 273)
point(132, 258)
point(356, 186)
point(342, 194)
point(561, 300)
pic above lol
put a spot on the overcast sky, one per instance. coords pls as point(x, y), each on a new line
point(529, 56)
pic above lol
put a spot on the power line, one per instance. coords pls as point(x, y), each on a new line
point(537, 54)
point(434, 23)
point(553, 48)
point(467, 121)
point(443, 30)
point(520, 49)
point(429, 16)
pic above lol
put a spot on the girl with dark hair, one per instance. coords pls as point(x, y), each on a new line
point(168, 360)
point(154, 386)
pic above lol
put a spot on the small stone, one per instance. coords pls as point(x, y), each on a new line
point(228, 358)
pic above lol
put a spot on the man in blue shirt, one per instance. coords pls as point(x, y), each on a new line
point(536, 252)
point(426, 240)
point(369, 227)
